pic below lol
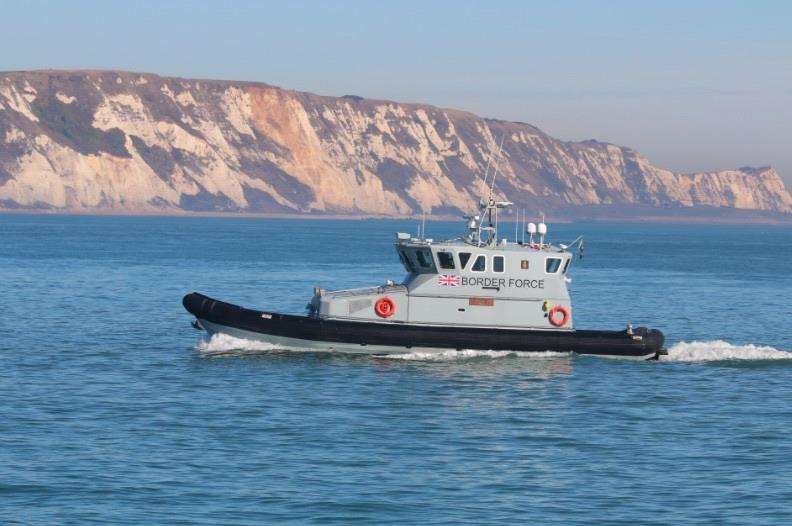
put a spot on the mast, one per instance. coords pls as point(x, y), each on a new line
point(517, 226)
point(487, 209)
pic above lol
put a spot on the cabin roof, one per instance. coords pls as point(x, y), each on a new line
point(459, 244)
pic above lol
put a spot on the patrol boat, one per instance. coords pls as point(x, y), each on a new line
point(474, 292)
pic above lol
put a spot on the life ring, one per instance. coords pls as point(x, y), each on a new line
point(552, 316)
point(385, 307)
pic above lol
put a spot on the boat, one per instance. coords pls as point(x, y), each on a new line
point(478, 291)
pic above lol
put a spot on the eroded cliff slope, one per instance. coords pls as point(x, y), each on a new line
point(118, 141)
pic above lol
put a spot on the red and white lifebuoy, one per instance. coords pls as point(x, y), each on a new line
point(385, 307)
point(554, 314)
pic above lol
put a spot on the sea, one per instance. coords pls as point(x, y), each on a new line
point(114, 410)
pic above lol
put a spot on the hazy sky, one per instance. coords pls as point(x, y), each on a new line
point(692, 85)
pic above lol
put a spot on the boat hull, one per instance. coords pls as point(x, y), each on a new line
point(305, 332)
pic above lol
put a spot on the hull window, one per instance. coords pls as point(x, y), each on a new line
point(552, 265)
point(446, 260)
point(497, 264)
point(464, 257)
point(480, 265)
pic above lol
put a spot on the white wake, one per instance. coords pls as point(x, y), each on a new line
point(222, 344)
point(469, 354)
point(719, 350)
point(695, 351)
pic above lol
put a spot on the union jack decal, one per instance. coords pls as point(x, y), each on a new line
point(448, 280)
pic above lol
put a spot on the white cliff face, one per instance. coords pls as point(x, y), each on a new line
point(129, 142)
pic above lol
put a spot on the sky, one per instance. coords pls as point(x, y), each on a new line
point(692, 85)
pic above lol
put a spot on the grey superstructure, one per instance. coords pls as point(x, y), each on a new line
point(475, 280)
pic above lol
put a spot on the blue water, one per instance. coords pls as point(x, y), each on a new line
point(113, 411)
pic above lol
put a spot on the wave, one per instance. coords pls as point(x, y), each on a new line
point(222, 345)
point(719, 350)
point(469, 354)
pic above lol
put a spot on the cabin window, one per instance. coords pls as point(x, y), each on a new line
point(464, 257)
point(552, 264)
point(424, 257)
point(566, 265)
point(446, 260)
point(525, 264)
point(406, 262)
point(480, 265)
point(497, 264)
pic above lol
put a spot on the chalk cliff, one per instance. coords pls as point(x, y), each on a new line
point(130, 142)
